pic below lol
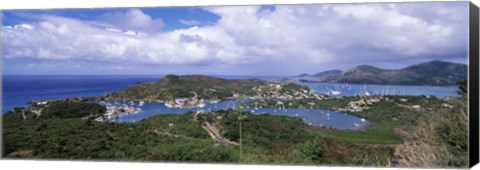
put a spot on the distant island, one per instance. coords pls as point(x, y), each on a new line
point(433, 73)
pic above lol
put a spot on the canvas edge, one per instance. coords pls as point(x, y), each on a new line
point(473, 91)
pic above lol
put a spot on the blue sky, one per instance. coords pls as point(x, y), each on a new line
point(232, 40)
point(172, 16)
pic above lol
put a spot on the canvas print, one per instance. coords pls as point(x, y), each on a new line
point(367, 84)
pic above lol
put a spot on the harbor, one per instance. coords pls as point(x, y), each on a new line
point(313, 117)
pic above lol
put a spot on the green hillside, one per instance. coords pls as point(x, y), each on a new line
point(438, 73)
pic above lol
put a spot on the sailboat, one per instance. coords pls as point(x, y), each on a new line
point(365, 90)
point(367, 94)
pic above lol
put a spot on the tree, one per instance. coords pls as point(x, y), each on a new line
point(240, 117)
point(462, 87)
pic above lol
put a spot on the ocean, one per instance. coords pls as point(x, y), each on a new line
point(18, 90)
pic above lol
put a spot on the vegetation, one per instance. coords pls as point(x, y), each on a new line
point(438, 139)
point(321, 75)
point(283, 139)
point(266, 139)
point(173, 86)
point(62, 109)
point(56, 109)
point(151, 139)
point(462, 87)
point(438, 73)
point(432, 134)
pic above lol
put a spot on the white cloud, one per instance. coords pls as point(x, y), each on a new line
point(133, 19)
point(189, 22)
point(293, 37)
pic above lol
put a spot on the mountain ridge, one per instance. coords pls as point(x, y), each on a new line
point(435, 72)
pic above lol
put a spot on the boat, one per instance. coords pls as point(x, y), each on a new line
point(367, 94)
point(141, 103)
point(363, 120)
point(214, 101)
point(169, 105)
point(334, 92)
point(365, 90)
point(356, 124)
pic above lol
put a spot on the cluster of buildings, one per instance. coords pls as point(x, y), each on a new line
point(275, 90)
point(360, 105)
point(192, 102)
point(114, 111)
point(272, 90)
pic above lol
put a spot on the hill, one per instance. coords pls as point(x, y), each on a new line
point(328, 73)
point(303, 75)
point(319, 76)
point(440, 72)
point(173, 86)
point(197, 87)
point(437, 73)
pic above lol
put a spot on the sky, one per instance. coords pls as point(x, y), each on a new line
point(232, 40)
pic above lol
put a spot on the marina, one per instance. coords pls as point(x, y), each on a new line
point(340, 89)
point(317, 117)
